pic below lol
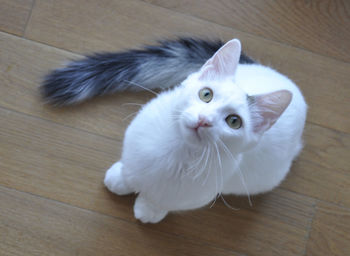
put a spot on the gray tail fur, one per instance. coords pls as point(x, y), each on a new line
point(161, 66)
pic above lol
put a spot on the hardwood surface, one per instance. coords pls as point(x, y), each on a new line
point(14, 15)
point(319, 26)
point(52, 160)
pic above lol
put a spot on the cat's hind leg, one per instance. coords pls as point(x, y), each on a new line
point(115, 181)
point(145, 211)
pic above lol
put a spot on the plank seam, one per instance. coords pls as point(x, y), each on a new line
point(242, 31)
point(194, 241)
point(28, 18)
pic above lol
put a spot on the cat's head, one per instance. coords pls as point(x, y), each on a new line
point(215, 108)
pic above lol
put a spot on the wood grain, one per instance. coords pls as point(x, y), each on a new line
point(313, 73)
point(14, 15)
point(82, 26)
point(68, 165)
point(284, 216)
point(330, 231)
point(322, 27)
point(30, 225)
point(322, 170)
point(55, 161)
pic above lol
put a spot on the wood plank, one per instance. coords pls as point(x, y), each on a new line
point(331, 185)
point(57, 162)
point(35, 226)
point(68, 165)
point(318, 26)
point(14, 15)
point(322, 80)
point(101, 25)
point(277, 224)
point(328, 148)
point(322, 170)
point(330, 231)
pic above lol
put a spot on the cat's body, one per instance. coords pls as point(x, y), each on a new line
point(229, 128)
point(173, 170)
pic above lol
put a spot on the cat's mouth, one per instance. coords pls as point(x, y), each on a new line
point(197, 133)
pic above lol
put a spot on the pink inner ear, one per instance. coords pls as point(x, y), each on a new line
point(223, 63)
point(208, 72)
point(267, 108)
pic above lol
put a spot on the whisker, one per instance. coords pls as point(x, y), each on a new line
point(244, 185)
point(130, 115)
point(228, 152)
point(216, 197)
point(217, 172)
point(227, 204)
point(204, 165)
point(147, 89)
point(216, 185)
point(194, 167)
point(133, 104)
point(209, 166)
point(220, 164)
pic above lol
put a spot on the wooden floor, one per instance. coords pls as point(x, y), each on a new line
point(52, 160)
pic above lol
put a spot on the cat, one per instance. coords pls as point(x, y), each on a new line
point(230, 127)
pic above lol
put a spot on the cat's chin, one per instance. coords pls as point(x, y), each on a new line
point(194, 137)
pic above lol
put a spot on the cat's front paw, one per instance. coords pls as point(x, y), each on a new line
point(114, 180)
point(146, 212)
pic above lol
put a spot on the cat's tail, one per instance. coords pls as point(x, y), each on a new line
point(161, 66)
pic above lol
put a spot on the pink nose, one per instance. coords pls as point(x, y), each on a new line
point(203, 122)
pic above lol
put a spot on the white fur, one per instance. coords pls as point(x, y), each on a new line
point(172, 167)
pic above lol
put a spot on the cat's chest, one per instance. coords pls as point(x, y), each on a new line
point(207, 164)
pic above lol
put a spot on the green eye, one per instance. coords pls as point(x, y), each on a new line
point(205, 94)
point(234, 121)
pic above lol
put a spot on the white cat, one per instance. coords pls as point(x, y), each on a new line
point(229, 128)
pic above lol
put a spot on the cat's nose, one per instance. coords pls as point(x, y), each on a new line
point(203, 122)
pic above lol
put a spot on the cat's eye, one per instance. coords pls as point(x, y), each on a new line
point(206, 94)
point(234, 121)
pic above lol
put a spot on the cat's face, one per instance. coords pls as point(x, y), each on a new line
point(212, 108)
point(214, 111)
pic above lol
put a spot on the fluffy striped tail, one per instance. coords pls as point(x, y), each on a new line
point(161, 66)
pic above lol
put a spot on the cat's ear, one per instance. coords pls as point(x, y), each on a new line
point(267, 108)
point(223, 63)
